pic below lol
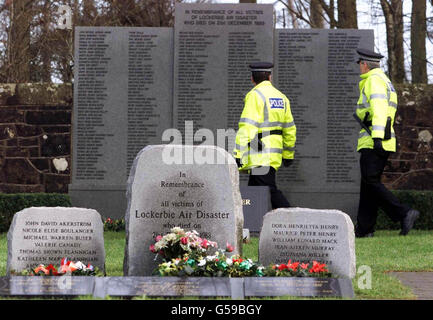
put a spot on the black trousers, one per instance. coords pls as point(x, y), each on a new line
point(265, 176)
point(374, 194)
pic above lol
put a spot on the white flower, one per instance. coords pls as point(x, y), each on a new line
point(80, 266)
point(229, 261)
point(202, 262)
point(210, 258)
point(169, 237)
point(176, 230)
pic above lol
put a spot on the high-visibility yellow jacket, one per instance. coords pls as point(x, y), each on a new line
point(379, 98)
point(266, 109)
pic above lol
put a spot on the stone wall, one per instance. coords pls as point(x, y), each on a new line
point(411, 167)
point(35, 138)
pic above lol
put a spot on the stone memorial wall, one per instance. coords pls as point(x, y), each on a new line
point(132, 83)
point(122, 102)
point(325, 173)
point(45, 235)
point(214, 45)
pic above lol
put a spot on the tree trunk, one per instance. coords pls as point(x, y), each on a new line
point(291, 6)
point(418, 33)
point(316, 14)
point(46, 49)
point(89, 13)
point(393, 12)
point(347, 14)
point(19, 42)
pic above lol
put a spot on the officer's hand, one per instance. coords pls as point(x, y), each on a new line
point(287, 162)
point(238, 162)
point(378, 144)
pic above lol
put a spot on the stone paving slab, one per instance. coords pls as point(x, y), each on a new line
point(421, 283)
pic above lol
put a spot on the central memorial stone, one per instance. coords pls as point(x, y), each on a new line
point(192, 187)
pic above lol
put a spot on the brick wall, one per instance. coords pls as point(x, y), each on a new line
point(35, 138)
point(411, 167)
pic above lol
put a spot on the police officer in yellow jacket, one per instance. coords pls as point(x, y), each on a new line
point(267, 133)
point(376, 109)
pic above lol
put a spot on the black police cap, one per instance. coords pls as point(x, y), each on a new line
point(368, 55)
point(261, 66)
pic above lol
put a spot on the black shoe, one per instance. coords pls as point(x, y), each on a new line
point(408, 221)
point(366, 235)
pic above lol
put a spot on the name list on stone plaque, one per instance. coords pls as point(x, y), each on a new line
point(214, 45)
point(317, 71)
point(122, 99)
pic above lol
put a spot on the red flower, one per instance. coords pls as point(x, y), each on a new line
point(304, 265)
point(282, 267)
point(152, 248)
point(204, 243)
point(318, 267)
point(292, 266)
point(184, 240)
point(229, 247)
point(158, 237)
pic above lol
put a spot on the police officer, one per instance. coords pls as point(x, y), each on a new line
point(376, 110)
point(267, 133)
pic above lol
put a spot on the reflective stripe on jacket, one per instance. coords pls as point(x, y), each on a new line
point(379, 98)
point(266, 109)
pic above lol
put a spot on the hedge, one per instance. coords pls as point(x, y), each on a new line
point(419, 200)
point(12, 203)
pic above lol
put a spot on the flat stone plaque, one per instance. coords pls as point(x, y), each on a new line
point(168, 286)
point(46, 286)
point(300, 287)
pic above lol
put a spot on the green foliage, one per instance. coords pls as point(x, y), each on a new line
point(116, 225)
point(13, 203)
point(419, 200)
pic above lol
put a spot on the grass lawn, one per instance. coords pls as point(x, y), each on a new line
point(387, 251)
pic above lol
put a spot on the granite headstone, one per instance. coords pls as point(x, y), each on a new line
point(45, 235)
point(174, 186)
point(307, 235)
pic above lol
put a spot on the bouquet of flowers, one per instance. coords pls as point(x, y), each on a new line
point(298, 269)
point(186, 254)
point(177, 243)
point(67, 267)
